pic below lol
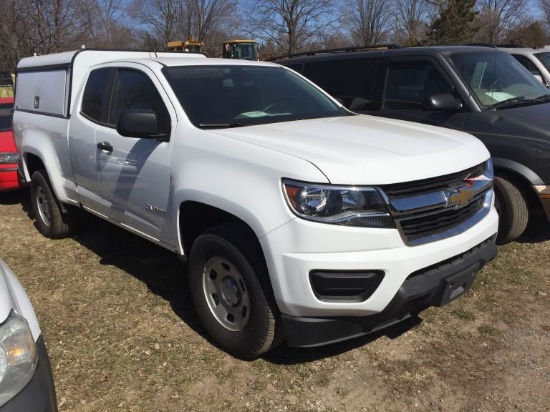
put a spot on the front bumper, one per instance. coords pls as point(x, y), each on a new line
point(39, 394)
point(414, 277)
point(9, 178)
point(433, 286)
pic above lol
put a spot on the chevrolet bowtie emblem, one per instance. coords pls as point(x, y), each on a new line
point(459, 196)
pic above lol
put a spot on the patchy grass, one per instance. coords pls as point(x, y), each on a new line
point(122, 335)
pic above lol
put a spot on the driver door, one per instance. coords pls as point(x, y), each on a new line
point(407, 83)
point(134, 173)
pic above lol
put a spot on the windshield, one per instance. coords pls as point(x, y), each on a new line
point(230, 96)
point(544, 58)
point(5, 116)
point(240, 50)
point(495, 77)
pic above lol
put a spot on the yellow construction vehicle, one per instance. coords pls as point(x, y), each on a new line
point(186, 46)
point(240, 49)
point(6, 84)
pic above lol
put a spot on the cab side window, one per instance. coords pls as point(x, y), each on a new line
point(134, 90)
point(109, 91)
point(409, 83)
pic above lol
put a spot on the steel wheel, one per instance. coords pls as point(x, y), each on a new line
point(231, 292)
point(52, 220)
point(42, 206)
point(226, 293)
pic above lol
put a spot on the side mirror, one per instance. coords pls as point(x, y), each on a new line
point(138, 123)
point(442, 102)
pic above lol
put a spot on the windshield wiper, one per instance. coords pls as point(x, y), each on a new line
point(219, 125)
point(511, 100)
point(543, 98)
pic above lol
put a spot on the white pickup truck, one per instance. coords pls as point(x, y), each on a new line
point(300, 220)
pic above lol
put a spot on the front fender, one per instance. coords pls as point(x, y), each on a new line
point(517, 168)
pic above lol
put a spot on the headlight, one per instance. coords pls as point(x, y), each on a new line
point(9, 158)
point(18, 357)
point(339, 205)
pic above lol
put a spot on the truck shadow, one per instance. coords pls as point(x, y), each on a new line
point(538, 230)
point(14, 197)
point(166, 276)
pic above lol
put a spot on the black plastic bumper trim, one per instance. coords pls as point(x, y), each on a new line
point(434, 286)
point(39, 394)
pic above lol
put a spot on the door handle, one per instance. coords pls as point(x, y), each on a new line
point(105, 146)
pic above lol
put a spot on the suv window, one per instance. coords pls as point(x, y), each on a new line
point(496, 77)
point(409, 83)
point(349, 81)
point(544, 58)
point(528, 64)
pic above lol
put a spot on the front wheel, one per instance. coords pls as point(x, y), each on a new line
point(231, 293)
point(51, 220)
point(512, 210)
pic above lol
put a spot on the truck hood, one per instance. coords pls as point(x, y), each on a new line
point(525, 122)
point(517, 134)
point(368, 150)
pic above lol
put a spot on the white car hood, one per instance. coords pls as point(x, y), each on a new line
point(368, 150)
point(14, 297)
point(6, 301)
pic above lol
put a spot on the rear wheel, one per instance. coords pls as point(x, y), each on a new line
point(231, 293)
point(51, 220)
point(512, 210)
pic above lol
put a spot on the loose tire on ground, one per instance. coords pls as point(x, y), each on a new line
point(512, 209)
point(231, 293)
point(51, 221)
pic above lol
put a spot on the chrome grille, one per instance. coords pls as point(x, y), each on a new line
point(438, 208)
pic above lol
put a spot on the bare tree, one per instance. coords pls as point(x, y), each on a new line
point(367, 20)
point(497, 17)
point(290, 24)
point(55, 25)
point(210, 18)
point(545, 8)
point(168, 20)
point(108, 29)
point(160, 18)
point(411, 20)
point(11, 29)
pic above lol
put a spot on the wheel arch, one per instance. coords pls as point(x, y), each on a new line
point(522, 177)
point(34, 162)
point(196, 217)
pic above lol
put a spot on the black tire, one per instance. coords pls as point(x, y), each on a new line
point(512, 210)
point(231, 293)
point(51, 220)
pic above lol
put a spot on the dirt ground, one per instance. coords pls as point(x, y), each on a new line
point(122, 336)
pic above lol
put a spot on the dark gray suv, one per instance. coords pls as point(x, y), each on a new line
point(479, 90)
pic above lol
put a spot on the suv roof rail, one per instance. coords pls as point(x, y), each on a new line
point(513, 46)
point(337, 50)
point(481, 44)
